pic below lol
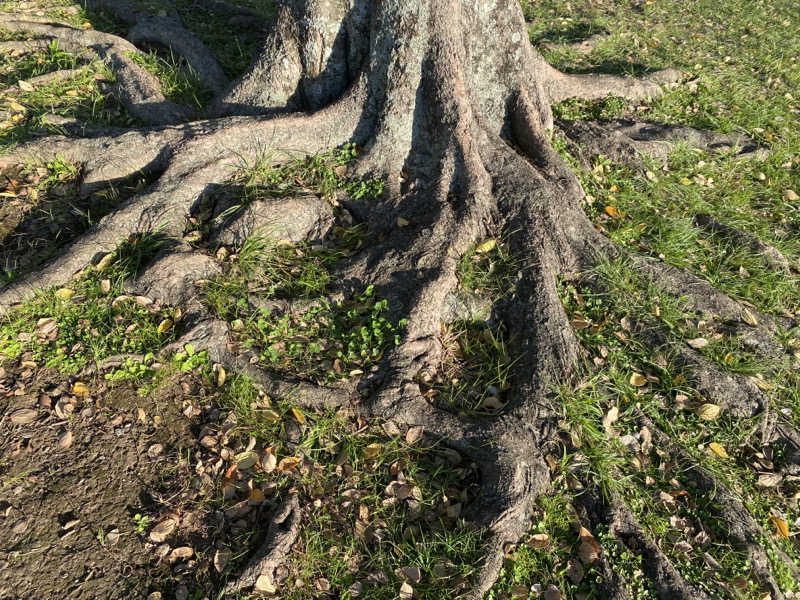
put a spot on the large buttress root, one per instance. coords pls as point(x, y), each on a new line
point(460, 132)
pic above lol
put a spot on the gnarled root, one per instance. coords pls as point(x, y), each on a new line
point(282, 531)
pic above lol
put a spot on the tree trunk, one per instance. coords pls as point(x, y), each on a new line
point(450, 104)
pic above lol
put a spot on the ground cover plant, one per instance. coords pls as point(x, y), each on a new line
point(428, 317)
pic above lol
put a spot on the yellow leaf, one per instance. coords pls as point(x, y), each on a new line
point(611, 211)
point(781, 528)
point(638, 380)
point(718, 449)
point(372, 450)
point(80, 389)
point(165, 325)
point(270, 416)
point(749, 318)
point(86, 25)
point(15, 106)
point(686, 181)
point(221, 375)
point(288, 463)
point(486, 246)
point(708, 412)
point(64, 293)
point(71, 93)
point(298, 416)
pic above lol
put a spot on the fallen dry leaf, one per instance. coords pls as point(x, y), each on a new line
point(414, 434)
point(638, 380)
point(288, 463)
point(246, 460)
point(718, 449)
point(23, 416)
point(160, 532)
point(708, 412)
point(588, 548)
point(406, 591)
point(221, 558)
point(64, 293)
point(486, 246)
point(65, 441)
point(768, 480)
point(372, 450)
point(781, 528)
point(698, 343)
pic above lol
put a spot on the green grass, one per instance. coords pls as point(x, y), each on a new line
point(179, 82)
point(610, 310)
point(76, 98)
point(487, 268)
point(90, 319)
point(276, 174)
point(475, 370)
point(743, 71)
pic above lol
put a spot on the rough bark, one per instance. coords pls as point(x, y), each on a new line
point(451, 94)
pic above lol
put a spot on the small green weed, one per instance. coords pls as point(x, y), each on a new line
point(141, 522)
point(328, 340)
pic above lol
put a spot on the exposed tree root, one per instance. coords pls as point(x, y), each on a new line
point(458, 129)
point(595, 86)
point(625, 141)
point(282, 531)
point(18, 48)
point(170, 33)
point(136, 89)
point(742, 530)
point(770, 255)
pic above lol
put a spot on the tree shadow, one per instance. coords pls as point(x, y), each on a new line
point(575, 32)
point(38, 220)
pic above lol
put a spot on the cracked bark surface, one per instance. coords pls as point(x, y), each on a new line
point(450, 95)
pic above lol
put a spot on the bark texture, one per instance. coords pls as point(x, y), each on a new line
point(451, 105)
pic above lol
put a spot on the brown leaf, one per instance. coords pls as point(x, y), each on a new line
point(287, 464)
point(412, 574)
point(160, 532)
point(414, 434)
point(768, 480)
point(698, 343)
point(221, 558)
point(540, 540)
point(406, 591)
point(65, 441)
point(23, 416)
point(588, 549)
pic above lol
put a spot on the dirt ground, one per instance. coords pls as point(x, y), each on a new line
point(77, 470)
